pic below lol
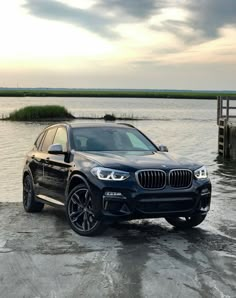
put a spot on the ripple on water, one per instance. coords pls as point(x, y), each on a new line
point(189, 129)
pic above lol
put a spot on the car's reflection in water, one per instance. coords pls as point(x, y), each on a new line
point(145, 232)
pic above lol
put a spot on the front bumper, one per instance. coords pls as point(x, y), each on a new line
point(116, 201)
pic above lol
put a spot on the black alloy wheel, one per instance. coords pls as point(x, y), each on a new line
point(80, 212)
point(29, 203)
point(186, 222)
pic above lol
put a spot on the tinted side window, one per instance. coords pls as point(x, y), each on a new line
point(61, 138)
point(48, 140)
point(39, 140)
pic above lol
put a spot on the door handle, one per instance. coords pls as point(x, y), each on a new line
point(47, 160)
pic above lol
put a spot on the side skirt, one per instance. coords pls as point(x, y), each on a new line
point(50, 201)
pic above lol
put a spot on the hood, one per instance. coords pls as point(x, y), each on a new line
point(131, 161)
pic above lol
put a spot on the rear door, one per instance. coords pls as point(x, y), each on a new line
point(35, 164)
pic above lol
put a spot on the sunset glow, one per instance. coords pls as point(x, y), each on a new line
point(160, 44)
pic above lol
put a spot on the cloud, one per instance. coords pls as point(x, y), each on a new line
point(58, 11)
point(211, 15)
point(101, 18)
point(202, 21)
point(139, 9)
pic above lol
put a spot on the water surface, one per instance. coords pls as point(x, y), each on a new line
point(187, 127)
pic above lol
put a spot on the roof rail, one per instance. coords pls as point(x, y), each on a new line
point(126, 124)
point(57, 124)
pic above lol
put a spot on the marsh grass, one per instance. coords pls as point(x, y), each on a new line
point(111, 117)
point(114, 93)
point(58, 113)
point(37, 113)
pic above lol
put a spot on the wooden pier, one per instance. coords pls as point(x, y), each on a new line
point(226, 120)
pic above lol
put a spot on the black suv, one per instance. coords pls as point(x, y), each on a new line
point(103, 173)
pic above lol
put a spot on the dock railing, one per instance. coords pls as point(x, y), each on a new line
point(226, 108)
point(226, 120)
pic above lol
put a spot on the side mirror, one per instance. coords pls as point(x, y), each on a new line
point(55, 149)
point(163, 148)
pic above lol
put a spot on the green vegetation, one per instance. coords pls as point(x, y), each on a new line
point(113, 117)
point(57, 113)
point(39, 113)
point(113, 93)
point(109, 117)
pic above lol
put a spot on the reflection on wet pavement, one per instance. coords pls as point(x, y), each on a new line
point(142, 258)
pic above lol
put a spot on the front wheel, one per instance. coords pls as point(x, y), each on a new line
point(186, 222)
point(80, 212)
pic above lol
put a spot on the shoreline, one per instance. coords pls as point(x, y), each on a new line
point(79, 118)
point(201, 95)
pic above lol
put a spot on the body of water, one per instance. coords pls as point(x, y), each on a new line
point(187, 127)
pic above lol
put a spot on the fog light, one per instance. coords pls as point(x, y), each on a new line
point(113, 194)
point(205, 209)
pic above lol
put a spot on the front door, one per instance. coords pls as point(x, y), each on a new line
point(56, 168)
point(41, 158)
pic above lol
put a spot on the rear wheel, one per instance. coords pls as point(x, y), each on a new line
point(29, 202)
point(186, 222)
point(80, 212)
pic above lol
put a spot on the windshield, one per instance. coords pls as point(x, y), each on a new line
point(109, 139)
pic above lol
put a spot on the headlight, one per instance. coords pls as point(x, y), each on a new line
point(201, 173)
point(109, 174)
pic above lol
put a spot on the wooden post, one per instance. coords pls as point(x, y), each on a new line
point(232, 141)
point(218, 110)
point(221, 106)
point(226, 139)
point(227, 109)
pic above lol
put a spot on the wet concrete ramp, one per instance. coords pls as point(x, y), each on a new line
point(40, 256)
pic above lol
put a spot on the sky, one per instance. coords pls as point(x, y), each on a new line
point(158, 44)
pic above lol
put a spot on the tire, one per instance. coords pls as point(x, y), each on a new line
point(80, 214)
point(29, 202)
point(186, 222)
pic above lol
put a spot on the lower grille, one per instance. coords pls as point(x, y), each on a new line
point(180, 178)
point(168, 206)
point(152, 179)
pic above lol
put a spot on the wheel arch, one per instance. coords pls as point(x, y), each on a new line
point(25, 173)
point(75, 179)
